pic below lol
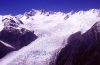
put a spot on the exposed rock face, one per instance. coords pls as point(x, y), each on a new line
point(17, 38)
point(66, 17)
point(82, 49)
point(31, 13)
point(4, 50)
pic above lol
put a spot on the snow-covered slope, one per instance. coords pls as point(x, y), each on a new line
point(52, 29)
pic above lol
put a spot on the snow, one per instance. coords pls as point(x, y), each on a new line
point(52, 30)
point(1, 24)
point(7, 44)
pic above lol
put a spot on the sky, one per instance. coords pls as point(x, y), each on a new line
point(16, 7)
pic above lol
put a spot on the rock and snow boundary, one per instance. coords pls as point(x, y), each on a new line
point(52, 29)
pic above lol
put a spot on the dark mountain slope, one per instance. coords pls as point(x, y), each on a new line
point(17, 38)
point(82, 49)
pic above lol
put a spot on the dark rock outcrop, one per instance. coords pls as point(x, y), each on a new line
point(16, 38)
point(31, 13)
point(4, 50)
point(43, 11)
point(82, 49)
point(66, 17)
point(10, 22)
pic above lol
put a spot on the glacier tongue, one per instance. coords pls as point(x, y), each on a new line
point(52, 30)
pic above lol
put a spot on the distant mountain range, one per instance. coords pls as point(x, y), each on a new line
point(50, 38)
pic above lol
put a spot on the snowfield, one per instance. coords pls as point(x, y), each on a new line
point(52, 30)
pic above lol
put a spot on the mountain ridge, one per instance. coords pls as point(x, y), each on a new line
point(39, 36)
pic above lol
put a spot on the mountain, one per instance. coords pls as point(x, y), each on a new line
point(12, 37)
point(82, 49)
point(50, 38)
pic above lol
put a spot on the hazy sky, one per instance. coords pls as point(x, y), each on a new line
point(16, 7)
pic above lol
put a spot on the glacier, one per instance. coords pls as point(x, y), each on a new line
point(52, 29)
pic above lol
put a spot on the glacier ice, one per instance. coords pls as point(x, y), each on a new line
point(52, 31)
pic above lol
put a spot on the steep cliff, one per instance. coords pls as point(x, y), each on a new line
point(13, 39)
point(82, 49)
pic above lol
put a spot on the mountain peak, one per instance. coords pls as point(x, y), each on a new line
point(31, 13)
